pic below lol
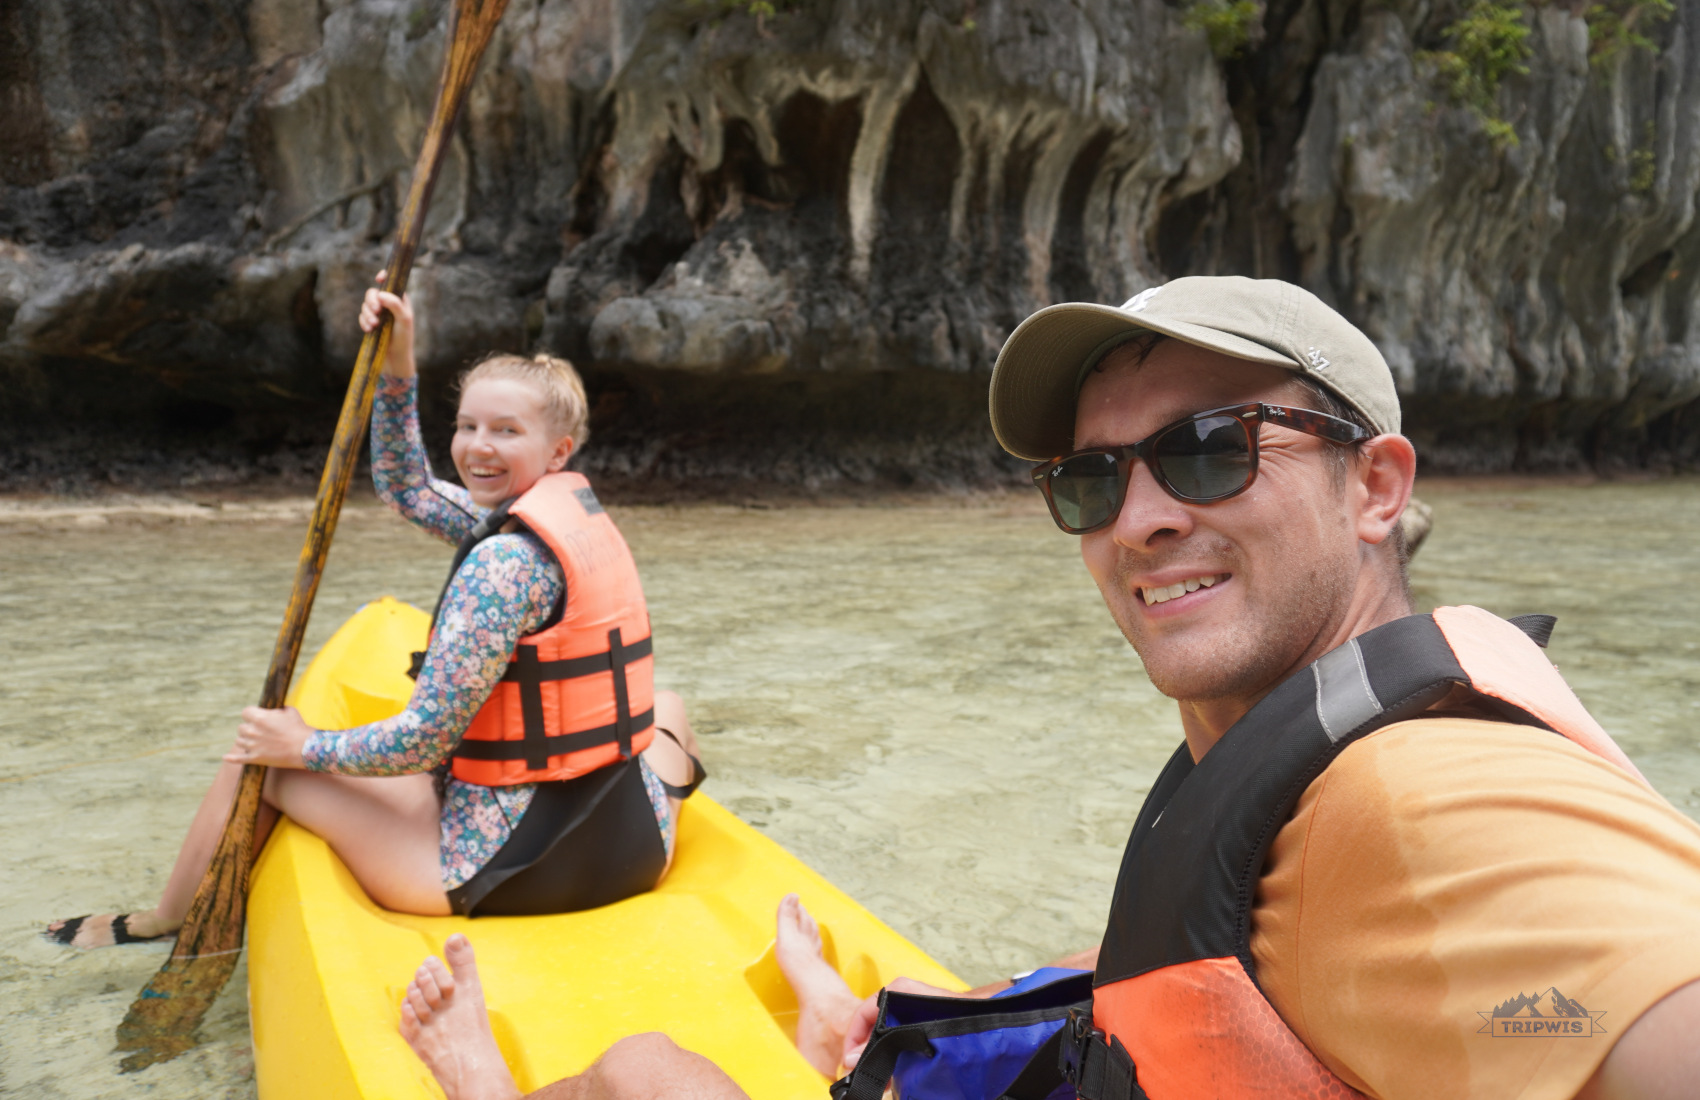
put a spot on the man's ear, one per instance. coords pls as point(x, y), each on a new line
point(563, 452)
point(1383, 474)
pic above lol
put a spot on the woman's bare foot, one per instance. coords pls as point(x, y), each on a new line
point(825, 1004)
point(444, 1020)
point(109, 929)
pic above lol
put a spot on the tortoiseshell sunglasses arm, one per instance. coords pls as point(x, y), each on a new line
point(1315, 423)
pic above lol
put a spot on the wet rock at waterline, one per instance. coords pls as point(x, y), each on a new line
point(789, 247)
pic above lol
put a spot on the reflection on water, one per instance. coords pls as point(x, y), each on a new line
point(927, 703)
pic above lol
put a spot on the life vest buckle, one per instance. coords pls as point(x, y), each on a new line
point(1078, 1037)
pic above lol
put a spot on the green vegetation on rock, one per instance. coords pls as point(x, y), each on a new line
point(761, 10)
point(1489, 42)
point(1228, 24)
point(1615, 27)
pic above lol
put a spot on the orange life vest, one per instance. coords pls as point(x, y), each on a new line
point(580, 693)
point(1177, 1013)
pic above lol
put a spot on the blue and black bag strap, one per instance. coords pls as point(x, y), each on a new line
point(1058, 1001)
point(1038, 1079)
point(873, 1070)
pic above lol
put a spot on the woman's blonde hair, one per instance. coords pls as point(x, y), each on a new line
point(557, 382)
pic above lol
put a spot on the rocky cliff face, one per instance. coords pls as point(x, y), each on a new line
point(791, 245)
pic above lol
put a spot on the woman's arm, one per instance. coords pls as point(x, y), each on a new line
point(506, 588)
point(401, 468)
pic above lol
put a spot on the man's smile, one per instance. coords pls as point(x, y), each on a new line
point(1163, 590)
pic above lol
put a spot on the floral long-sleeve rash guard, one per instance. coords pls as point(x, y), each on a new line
point(506, 589)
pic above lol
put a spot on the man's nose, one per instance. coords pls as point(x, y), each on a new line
point(1149, 514)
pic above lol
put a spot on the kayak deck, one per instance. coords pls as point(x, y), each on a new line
point(693, 958)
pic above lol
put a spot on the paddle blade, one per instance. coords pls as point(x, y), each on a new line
point(162, 1020)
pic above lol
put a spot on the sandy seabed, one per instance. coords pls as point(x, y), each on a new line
point(921, 697)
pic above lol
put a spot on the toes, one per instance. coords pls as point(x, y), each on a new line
point(83, 933)
point(64, 932)
point(417, 1004)
point(409, 1026)
point(425, 983)
point(795, 921)
point(462, 962)
point(440, 974)
point(806, 922)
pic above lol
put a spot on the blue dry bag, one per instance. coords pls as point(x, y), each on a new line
point(956, 1048)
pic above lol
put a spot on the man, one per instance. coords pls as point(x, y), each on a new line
point(1394, 856)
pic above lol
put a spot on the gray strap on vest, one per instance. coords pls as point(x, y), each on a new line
point(1344, 699)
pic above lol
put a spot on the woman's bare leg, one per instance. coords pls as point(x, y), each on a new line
point(385, 829)
point(445, 1021)
point(192, 862)
point(358, 817)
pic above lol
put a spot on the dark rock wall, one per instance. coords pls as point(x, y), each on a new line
point(1534, 300)
point(791, 247)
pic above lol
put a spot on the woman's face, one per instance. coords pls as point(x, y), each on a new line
point(503, 441)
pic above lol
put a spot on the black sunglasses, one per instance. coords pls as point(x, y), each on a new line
point(1203, 458)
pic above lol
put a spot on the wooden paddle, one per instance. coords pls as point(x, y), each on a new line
point(161, 1023)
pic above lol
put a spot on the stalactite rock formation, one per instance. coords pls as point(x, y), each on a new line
point(807, 233)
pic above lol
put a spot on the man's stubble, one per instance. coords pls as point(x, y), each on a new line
point(1241, 660)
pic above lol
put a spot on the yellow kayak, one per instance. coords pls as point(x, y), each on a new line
point(694, 958)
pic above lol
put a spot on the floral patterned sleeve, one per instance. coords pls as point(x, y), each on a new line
point(401, 469)
point(506, 588)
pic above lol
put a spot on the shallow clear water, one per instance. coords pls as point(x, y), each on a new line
point(925, 702)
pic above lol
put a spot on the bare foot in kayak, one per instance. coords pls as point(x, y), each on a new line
point(444, 1020)
point(825, 1004)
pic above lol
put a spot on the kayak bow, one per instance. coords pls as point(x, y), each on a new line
point(693, 958)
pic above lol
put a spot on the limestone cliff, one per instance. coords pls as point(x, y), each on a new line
point(791, 244)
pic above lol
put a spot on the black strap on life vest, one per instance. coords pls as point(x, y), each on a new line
point(531, 674)
point(698, 772)
point(1097, 1069)
point(557, 744)
point(1189, 876)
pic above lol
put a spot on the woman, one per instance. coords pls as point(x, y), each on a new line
point(534, 708)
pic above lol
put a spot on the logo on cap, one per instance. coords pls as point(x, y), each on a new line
point(1138, 302)
point(1317, 360)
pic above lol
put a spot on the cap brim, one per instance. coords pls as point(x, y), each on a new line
point(1036, 381)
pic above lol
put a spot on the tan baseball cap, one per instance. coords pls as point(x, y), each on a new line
point(1036, 382)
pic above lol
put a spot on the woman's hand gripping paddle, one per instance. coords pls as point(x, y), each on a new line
point(161, 1023)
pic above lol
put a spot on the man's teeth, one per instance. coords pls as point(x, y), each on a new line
point(1179, 588)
